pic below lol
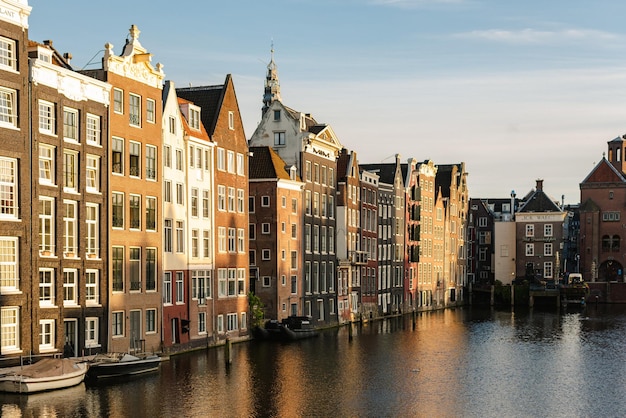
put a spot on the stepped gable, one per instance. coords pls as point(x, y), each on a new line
point(538, 201)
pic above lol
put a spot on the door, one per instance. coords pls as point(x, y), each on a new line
point(135, 330)
point(70, 346)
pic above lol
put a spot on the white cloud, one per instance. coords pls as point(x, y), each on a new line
point(534, 36)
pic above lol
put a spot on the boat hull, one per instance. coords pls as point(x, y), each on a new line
point(107, 370)
point(13, 380)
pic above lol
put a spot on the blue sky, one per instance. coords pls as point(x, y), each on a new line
point(516, 90)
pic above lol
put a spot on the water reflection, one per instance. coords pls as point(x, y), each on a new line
point(463, 362)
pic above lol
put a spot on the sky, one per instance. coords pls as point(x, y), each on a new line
point(518, 91)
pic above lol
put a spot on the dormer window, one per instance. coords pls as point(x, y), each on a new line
point(277, 115)
point(44, 54)
point(194, 118)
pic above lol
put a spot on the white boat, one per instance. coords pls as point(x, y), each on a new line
point(46, 374)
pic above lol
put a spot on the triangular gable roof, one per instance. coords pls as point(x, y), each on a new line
point(539, 202)
point(209, 98)
point(265, 163)
point(604, 172)
point(326, 134)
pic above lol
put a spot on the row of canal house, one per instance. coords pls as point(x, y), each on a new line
point(365, 240)
point(123, 218)
point(135, 216)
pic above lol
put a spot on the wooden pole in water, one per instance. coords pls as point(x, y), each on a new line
point(228, 352)
point(350, 331)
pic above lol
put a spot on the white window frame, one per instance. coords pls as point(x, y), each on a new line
point(70, 171)
point(180, 288)
point(8, 54)
point(92, 287)
point(46, 334)
point(9, 329)
point(70, 226)
point(221, 159)
point(92, 221)
point(71, 124)
point(46, 299)
point(8, 108)
point(230, 162)
point(118, 101)
point(240, 164)
point(117, 148)
point(92, 181)
point(8, 188)
point(150, 110)
point(9, 265)
point(92, 326)
point(134, 109)
point(47, 117)
point(167, 288)
point(151, 323)
point(134, 155)
point(117, 324)
point(151, 162)
point(93, 129)
point(46, 226)
point(70, 287)
point(47, 166)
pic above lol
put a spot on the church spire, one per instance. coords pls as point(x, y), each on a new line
point(272, 85)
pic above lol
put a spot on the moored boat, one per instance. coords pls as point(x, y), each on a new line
point(46, 374)
point(574, 290)
point(111, 365)
point(297, 328)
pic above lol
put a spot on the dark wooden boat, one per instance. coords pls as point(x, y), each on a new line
point(297, 328)
point(269, 331)
point(574, 290)
point(113, 365)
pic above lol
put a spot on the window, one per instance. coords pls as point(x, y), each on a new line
point(231, 199)
point(91, 332)
point(180, 237)
point(221, 159)
point(151, 263)
point(180, 194)
point(194, 118)
point(294, 205)
point(179, 159)
point(222, 281)
point(547, 249)
point(151, 203)
point(251, 204)
point(180, 287)
point(46, 226)
point(117, 268)
point(241, 282)
point(294, 260)
point(240, 164)
point(265, 228)
point(167, 191)
point(134, 268)
point(265, 201)
point(92, 287)
point(232, 322)
point(547, 230)
point(265, 254)
point(117, 324)
point(151, 171)
point(8, 108)
point(134, 203)
point(70, 291)
point(70, 221)
point(231, 162)
point(9, 262)
point(118, 101)
point(134, 109)
point(195, 237)
point(93, 228)
point(530, 250)
point(8, 188)
point(167, 156)
point(46, 334)
point(194, 202)
point(117, 207)
point(94, 129)
point(117, 155)
point(134, 159)
point(70, 171)
point(221, 198)
point(206, 201)
point(70, 124)
point(232, 240)
point(279, 138)
point(47, 117)
point(8, 55)
point(482, 221)
point(241, 235)
point(530, 230)
point(46, 287)
point(231, 120)
point(294, 284)
point(150, 110)
point(276, 115)
point(151, 321)
point(167, 235)
point(201, 322)
point(251, 232)
point(172, 125)
point(294, 231)
point(167, 287)
point(9, 329)
point(46, 164)
point(547, 270)
point(220, 324)
point(93, 174)
point(221, 239)
point(206, 243)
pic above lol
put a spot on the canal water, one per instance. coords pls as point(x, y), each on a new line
point(465, 362)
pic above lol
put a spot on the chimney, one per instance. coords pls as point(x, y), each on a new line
point(539, 184)
point(68, 57)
